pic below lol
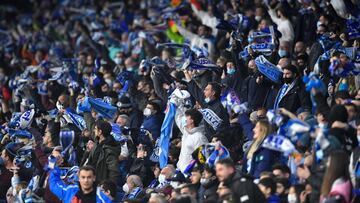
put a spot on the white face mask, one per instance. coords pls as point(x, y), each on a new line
point(162, 178)
point(118, 61)
point(59, 106)
point(109, 82)
point(126, 188)
point(291, 198)
point(204, 181)
point(147, 112)
point(207, 100)
point(258, 18)
point(174, 184)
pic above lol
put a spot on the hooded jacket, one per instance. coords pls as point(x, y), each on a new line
point(191, 139)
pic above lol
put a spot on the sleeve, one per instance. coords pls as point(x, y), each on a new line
point(57, 186)
point(274, 16)
point(205, 18)
point(180, 113)
point(158, 88)
point(185, 33)
point(89, 120)
point(196, 92)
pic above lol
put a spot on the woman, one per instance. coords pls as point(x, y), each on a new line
point(336, 183)
point(257, 158)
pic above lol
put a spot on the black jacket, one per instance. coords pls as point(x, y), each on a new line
point(296, 97)
point(210, 190)
point(214, 105)
point(104, 158)
point(244, 189)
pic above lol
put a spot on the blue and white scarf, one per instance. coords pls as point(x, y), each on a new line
point(211, 118)
point(268, 69)
point(166, 133)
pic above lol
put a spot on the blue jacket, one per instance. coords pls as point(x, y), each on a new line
point(67, 192)
point(153, 124)
point(262, 160)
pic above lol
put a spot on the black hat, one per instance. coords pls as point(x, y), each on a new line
point(124, 102)
point(338, 113)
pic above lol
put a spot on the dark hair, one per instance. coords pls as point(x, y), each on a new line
point(209, 169)
point(195, 115)
point(196, 169)
point(87, 168)
point(226, 162)
point(282, 167)
point(104, 126)
point(109, 185)
point(269, 183)
point(193, 188)
point(216, 87)
point(338, 168)
point(291, 68)
point(154, 105)
point(283, 181)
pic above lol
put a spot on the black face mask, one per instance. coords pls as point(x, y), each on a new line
point(288, 80)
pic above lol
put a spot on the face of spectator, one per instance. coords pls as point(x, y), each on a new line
point(287, 74)
point(257, 131)
point(86, 179)
point(208, 92)
point(201, 31)
point(351, 112)
point(223, 172)
point(222, 190)
point(292, 198)
point(266, 191)
point(5, 157)
point(121, 121)
point(47, 138)
point(299, 47)
point(195, 177)
point(280, 189)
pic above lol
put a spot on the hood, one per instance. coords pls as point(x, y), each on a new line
point(199, 129)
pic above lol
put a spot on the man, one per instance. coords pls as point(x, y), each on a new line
point(6, 164)
point(243, 189)
point(165, 174)
point(104, 156)
point(292, 94)
point(85, 191)
point(133, 188)
point(109, 189)
point(214, 113)
point(192, 134)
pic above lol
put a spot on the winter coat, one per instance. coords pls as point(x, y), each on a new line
point(340, 190)
point(104, 158)
point(67, 193)
point(245, 190)
point(210, 190)
point(295, 97)
point(190, 140)
point(262, 160)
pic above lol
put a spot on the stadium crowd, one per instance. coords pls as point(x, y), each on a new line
point(180, 101)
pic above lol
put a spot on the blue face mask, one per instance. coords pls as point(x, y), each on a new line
point(230, 71)
point(118, 61)
point(282, 53)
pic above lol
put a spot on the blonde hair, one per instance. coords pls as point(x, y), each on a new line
point(265, 129)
